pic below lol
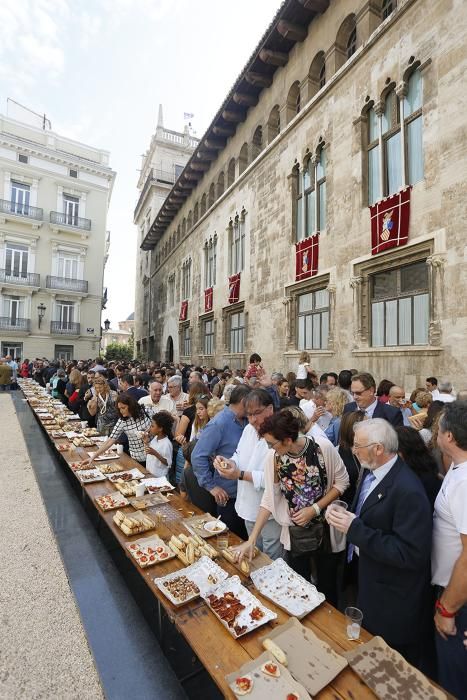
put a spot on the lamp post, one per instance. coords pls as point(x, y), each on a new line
point(41, 309)
point(106, 324)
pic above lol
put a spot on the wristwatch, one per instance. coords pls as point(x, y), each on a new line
point(317, 509)
point(241, 475)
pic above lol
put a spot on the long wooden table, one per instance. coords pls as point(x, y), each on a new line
point(216, 649)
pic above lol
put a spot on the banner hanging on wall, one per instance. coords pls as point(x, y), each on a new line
point(306, 257)
point(183, 311)
point(208, 299)
point(390, 220)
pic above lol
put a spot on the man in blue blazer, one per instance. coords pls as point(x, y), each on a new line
point(389, 540)
point(363, 389)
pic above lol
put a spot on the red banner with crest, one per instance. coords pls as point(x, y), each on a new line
point(234, 288)
point(208, 299)
point(306, 257)
point(390, 220)
point(183, 311)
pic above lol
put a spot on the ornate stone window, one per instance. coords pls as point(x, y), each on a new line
point(210, 261)
point(310, 314)
point(236, 231)
point(186, 279)
point(387, 7)
point(310, 196)
point(209, 327)
point(185, 339)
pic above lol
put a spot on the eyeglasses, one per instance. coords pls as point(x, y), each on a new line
point(272, 445)
point(359, 393)
point(360, 447)
point(258, 412)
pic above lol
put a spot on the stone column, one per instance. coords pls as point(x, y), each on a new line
point(331, 290)
point(436, 265)
point(289, 322)
point(368, 19)
point(356, 285)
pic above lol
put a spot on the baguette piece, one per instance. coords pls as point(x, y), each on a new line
point(275, 650)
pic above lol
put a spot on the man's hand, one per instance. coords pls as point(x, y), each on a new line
point(304, 516)
point(445, 626)
point(247, 549)
point(220, 496)
point(226, 468)
point(340, 520)
point(320, 411)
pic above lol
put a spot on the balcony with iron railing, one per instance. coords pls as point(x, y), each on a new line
point(15, 323)
point(64, 328)
point(71, 285)
point(60, 218)
point(24, 210)
point(27, 279)
point(153, 177)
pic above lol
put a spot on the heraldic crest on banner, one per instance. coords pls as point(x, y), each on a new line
point(390, 221)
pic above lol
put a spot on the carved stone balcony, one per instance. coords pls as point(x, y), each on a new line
point(28, 279)
point(64, 328)
point(65, 283)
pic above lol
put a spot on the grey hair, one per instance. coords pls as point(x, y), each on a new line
point(445, 386)
point(380, 431)
point(175, 380)
point(462, 395)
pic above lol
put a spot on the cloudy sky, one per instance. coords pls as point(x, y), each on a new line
point(99, 68)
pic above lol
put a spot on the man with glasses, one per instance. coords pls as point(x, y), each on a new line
point(389, 539)
point(174, 387)
point(156, 401)
point(246, 467)
point(363, 390)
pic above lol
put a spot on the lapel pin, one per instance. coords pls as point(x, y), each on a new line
point(380, 495)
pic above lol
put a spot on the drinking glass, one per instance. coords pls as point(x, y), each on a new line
point(353, 621)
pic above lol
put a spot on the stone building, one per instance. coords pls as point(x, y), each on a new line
point(122, 334)
point(165, 159)
point(324, 208)
point(54, 197)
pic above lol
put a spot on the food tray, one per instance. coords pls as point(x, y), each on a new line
point(202, 573)
point(82, 442)
point(71, 434)
point(127, 488)
point(196, 524)
point(151, 499)
point(113, 468)
point(389, 675)
point(157, 483)
point(111, 501)
point(91, 432)
point(311, 661)
point(150, 551)
point(133, 523)
point(90, 475)
point(72, 416)
point(104, 456)
point(287, 589)
point(57, 434)
point(80, 467)
point(127, 475)
point(229, 594)
point(265, 687)
point(63, 447)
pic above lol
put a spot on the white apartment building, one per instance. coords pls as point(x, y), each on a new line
point(54, 197)
point(163, 162)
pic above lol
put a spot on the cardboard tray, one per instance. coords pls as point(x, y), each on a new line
point(266, 687)
point(309, 660)
point(110, 501)
point(195, 525)
point(151, 499)
point(389, 675)
point(198, 573)
point(153, 542)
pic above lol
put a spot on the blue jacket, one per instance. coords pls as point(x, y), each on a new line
point(393, 533)
point(219, 437)
point(382, 410)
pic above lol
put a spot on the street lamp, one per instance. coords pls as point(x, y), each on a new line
point(106, 324)
point(41, 309)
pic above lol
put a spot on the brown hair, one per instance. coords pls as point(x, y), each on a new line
point(346, 433)
point(282, 425)
point(366, 379)
point(196, 389)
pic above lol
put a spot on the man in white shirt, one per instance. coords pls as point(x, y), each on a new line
point(445, 392)
point(431, 384)
point(156, 401)
point(174, 387)
point(247, 466)
point(304, 391)
point(449, 552)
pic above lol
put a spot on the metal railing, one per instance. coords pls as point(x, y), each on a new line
point(29, 279)
point(59, 217)
point(64, 328)
point(71, 285)
point(8, 207)
point(154, 175)
point(9, 323)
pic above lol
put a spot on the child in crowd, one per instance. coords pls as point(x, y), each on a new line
point(159, 451)
point(255, 369)
point(304, 366)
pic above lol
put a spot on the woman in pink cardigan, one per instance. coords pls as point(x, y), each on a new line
point(302, 477)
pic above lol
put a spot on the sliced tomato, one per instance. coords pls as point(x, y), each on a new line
point(143, 559)
point(163, 555)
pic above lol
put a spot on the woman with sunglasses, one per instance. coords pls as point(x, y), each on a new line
point(302, 477)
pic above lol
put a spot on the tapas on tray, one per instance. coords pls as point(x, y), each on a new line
point(90, 475)
point(128, 475)
point(287, 589)
point(127, 488)
point(133, 524)
point(150, 499)
point(150, 551)
point(111, 501)
point(187, 584)
point(157, 483)
point(190, 549)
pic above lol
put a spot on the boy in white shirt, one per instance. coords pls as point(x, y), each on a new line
point(159, 451)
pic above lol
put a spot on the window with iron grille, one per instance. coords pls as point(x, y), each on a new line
point(313, 320)
point(400, 308)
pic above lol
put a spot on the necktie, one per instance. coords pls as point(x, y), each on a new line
point(367, 481)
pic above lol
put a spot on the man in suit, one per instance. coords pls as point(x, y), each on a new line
point(389, 538)
point(363, 389)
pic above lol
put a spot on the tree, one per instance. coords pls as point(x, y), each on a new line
point(119, 351)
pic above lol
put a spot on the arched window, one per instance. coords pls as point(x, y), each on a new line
point(346, 39)
point(293, 101)
point(387, 7)
point(413, 124)
point(274, 123)
point(195, 213)
point(243, 159)
point(391, 131)
point(257, 143)
point(231, 172)
point(178, 233)
point(352, 43)
point(189, 223)
point(310, 196)
point(317, 74)
point(203, 205)
point(220, 184)
point(210, 259)
point(212, 195)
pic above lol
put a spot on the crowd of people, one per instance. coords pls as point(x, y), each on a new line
point(272, 453)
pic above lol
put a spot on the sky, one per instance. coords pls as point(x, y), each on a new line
point(99, 69)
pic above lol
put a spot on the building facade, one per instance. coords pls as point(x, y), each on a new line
point(123, 334)
point(163, 162)
point(54, 196)
point(324, 208)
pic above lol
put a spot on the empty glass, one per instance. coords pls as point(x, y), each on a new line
point(353, 620)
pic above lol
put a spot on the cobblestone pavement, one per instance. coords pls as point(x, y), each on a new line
point(43, 649)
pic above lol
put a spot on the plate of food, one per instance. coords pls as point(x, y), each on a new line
point(187, 584)
point(197, 524)
point(190, 549)
point(111, 501)
point(90, 475)
point(134, 523)
point(265, 677)
point(148, 500)
point(287, 589)
point(127, 488)
point(82, 442)
point(128, 475)
point(63, 447)
point(237, 608)
point(149, 551)
point(104, 456)
point(215, 526)
point(157, 483)
point(113, 468)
